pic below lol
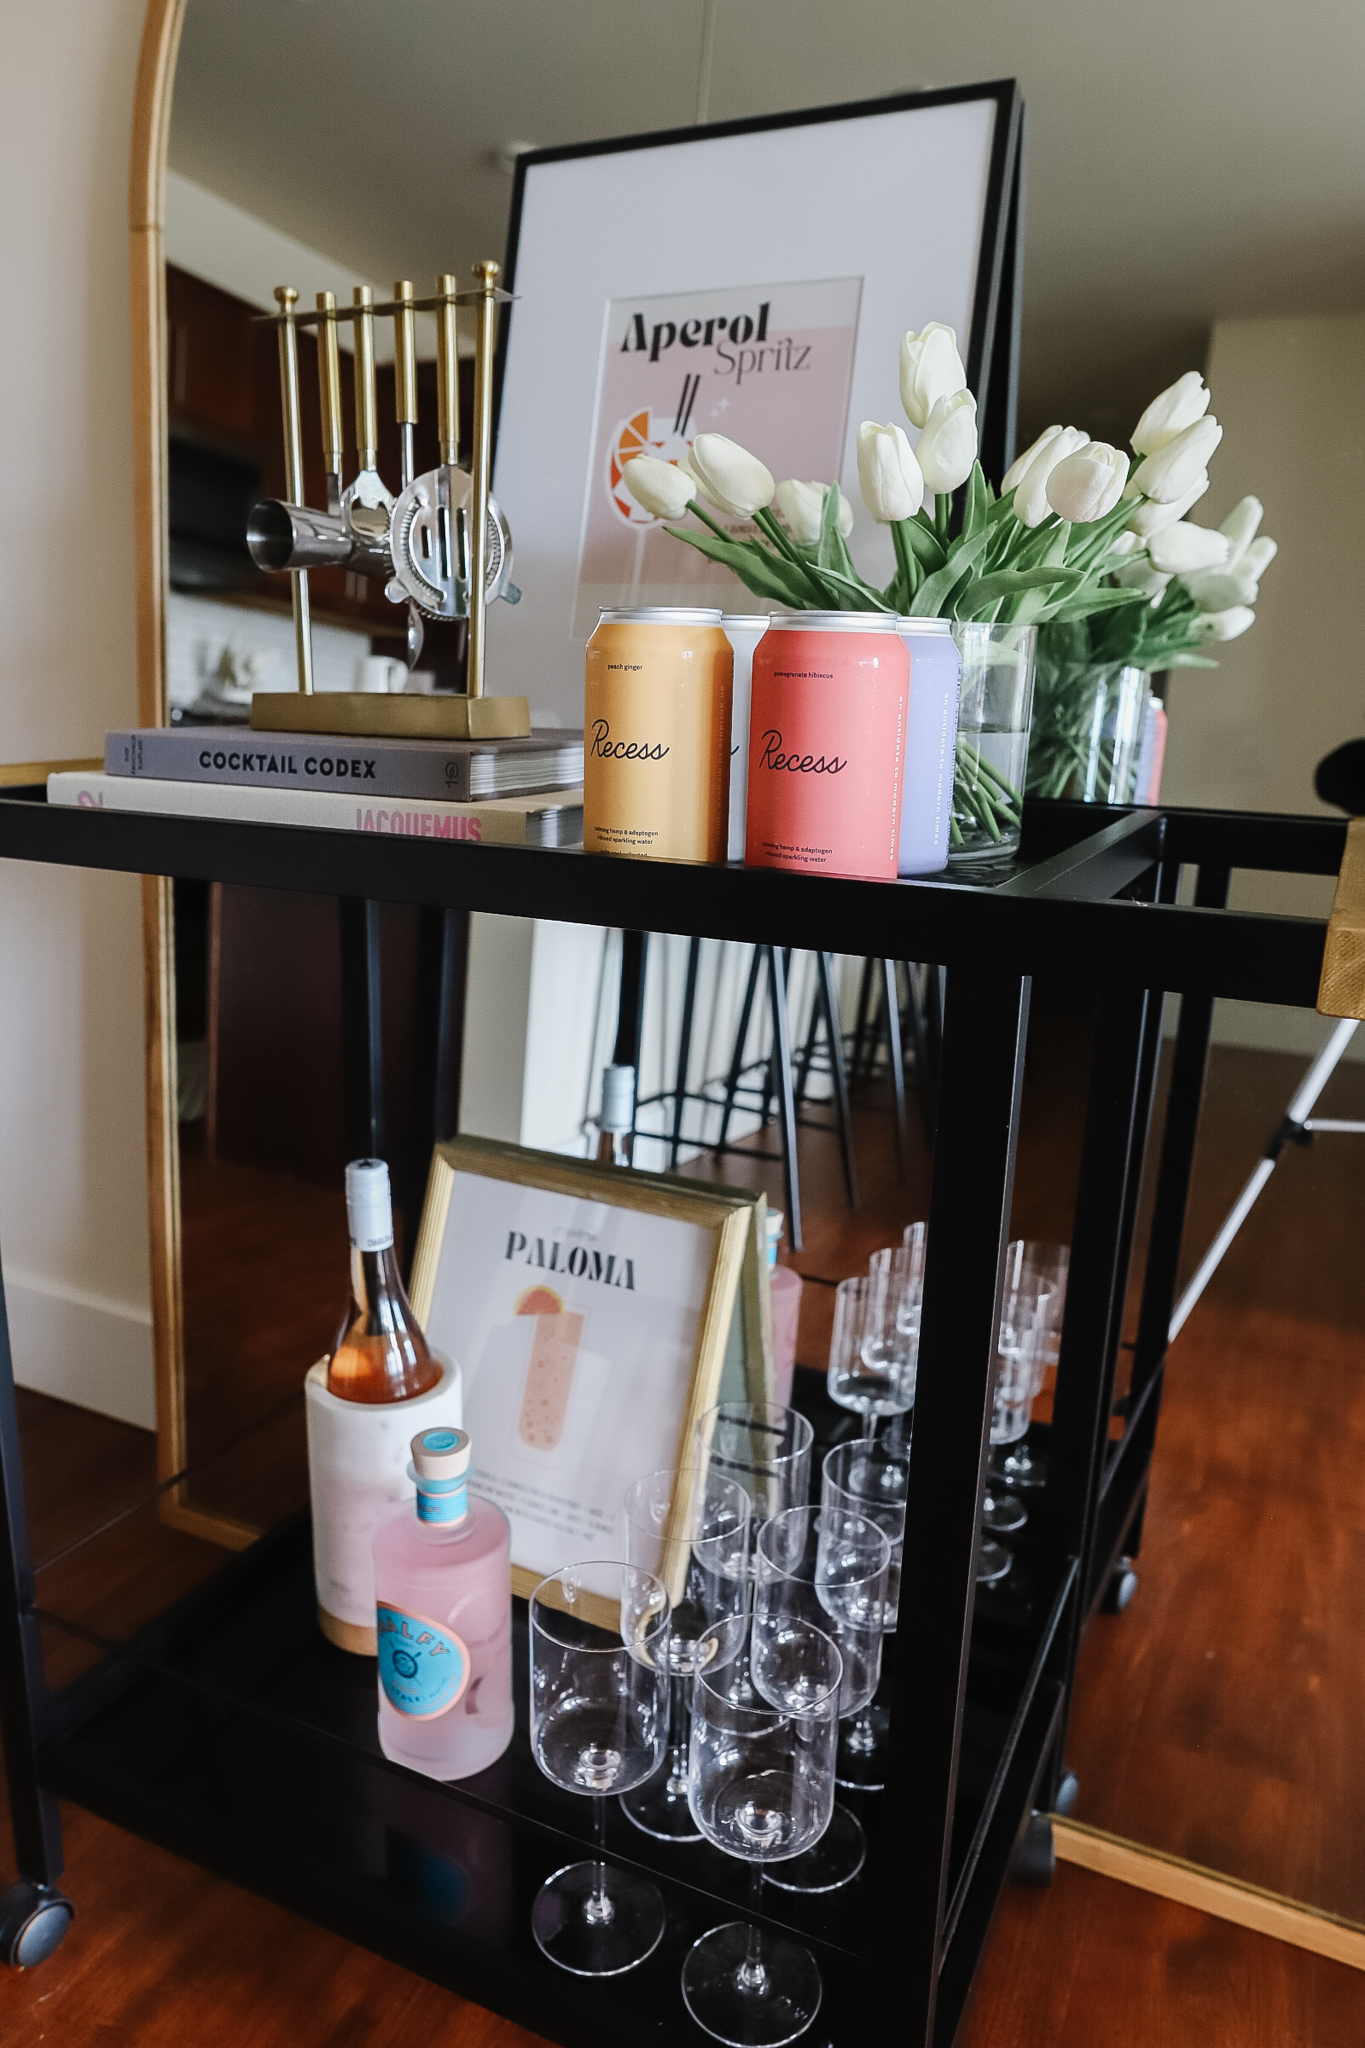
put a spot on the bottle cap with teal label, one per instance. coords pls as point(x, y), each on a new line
point(440, 1470)
point(424, 1667)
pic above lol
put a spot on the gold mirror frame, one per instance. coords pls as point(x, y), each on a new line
point(1245, 1905)
point(146, 217)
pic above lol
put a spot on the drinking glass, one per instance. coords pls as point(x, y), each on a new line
point(761, 1775)
point(599, 1720)
point(1018, 1378)
point(1049, 1263)
point(691, 1530)
point(820, 1566)
point(871, 1361)
point(763, 1448)
point(869, 1480)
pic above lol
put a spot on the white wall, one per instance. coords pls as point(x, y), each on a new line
point(1248, 735)
point(73, 1191)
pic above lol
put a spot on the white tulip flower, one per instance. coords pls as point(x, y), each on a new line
point(1125, 543)
point(931, 368)
point(802, 506)
point(946, 449)
point(1031, 507)
point(888, 474)
point(1178, 407)
point(1020, 466)
point(1228, 625)
point(1184, 547)
point(1241, 526)
point(1085, 485)
point(729, 477)
point(661, 487)
point(1218, 590)
point(1142, 576)
point(1258, 557)
point(1151, 517)
point(1170, 472)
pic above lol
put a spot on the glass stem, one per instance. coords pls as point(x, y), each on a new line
point(752, 1975)
point(598, 1910)
point(678, 1734)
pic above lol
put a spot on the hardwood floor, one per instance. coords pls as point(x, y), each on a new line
point(1217, 1718)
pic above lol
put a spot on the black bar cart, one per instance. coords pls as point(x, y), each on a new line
point(223, 1726)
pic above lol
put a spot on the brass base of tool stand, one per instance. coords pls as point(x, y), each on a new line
point(361, 714)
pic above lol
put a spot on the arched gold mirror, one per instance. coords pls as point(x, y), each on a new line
point(1176, 222)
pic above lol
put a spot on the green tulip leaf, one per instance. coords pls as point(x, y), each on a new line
point(766, 574)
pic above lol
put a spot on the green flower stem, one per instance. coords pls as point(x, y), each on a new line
point(784, 545)
point(722, 532)
point(954, 832)
point(943, 509)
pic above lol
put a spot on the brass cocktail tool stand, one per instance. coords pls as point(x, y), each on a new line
point(442, 547)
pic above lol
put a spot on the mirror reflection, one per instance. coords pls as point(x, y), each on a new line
point(1182, 215)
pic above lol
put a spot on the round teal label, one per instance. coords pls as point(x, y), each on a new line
point(424, 1668)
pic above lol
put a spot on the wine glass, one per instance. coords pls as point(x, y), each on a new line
point(691, 1530)
point(1018, 1378)
point(829, 1569)
point(869, 1481)
point(763, 1448)
point(761, 1776)
point(871, 1361)
point(1049, 1265)
point(599, 1721)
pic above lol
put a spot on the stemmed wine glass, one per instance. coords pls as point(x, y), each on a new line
point(1048, 1264)
point(764, 1448)
point(871, 1360)
point(692, 1532)
point(830, 1569)
point(1018, 1377)
point(761, 1774)
point(869, 1481)
point(599, 1721)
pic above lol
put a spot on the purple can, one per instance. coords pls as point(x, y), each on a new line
point(930, 745)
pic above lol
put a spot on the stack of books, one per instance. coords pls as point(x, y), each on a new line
point(522, 792)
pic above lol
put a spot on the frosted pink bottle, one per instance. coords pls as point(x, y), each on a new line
point(443, 1614)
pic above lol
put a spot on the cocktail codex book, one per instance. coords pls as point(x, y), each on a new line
point(553, 819)
point(461, 771)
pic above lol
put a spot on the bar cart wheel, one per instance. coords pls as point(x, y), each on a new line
point(1123, 1583)
point(1068, 1792)
point(33, 1923)
point(1035, 1856)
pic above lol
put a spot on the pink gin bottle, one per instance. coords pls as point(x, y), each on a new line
point(443, 1601)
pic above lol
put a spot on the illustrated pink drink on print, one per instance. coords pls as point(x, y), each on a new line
point(827, 744)
point(443, 1616)
point(550, 1367)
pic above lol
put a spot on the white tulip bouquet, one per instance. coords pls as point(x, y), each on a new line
point(1198, 587)
point(1071, 542)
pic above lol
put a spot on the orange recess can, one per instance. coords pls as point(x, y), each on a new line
point(656, 742)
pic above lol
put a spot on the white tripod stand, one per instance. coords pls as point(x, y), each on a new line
point(1299, 1127)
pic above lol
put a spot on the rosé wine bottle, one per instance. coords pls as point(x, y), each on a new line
point(443, 1612)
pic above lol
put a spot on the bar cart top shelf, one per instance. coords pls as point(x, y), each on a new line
point(1061, 908)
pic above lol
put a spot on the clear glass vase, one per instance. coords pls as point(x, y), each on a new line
point(1087, 730)
point(992, 738)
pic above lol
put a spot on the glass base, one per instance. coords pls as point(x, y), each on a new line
point(750, 2003)
point(1019, 1468)
point(660, 1808)
point(835, 1860)
point(993, 1561)
point(631, 1928)
point(861, 1762)
point(1003, 1513)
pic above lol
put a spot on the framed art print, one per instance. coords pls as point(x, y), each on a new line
point(752, 278)
point(595, 1314)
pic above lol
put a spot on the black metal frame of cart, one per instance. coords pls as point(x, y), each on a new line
point(229, 1731)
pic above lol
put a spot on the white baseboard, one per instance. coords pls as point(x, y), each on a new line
point(83, 1348)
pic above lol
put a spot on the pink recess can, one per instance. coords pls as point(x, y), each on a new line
point(831, 692)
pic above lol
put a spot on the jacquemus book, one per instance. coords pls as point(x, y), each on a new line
point(528, 820)
point(461, 771)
